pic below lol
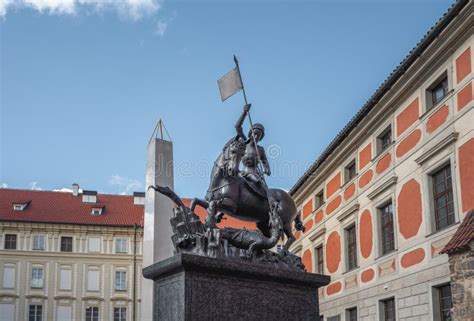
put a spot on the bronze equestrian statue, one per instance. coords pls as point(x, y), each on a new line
point(245, 195)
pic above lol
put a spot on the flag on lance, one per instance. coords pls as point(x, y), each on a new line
point(230, 83)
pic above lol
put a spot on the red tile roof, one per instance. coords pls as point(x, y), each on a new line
point(61, 207)
point(463, 235)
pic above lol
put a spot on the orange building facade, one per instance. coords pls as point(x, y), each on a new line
point(392, 188)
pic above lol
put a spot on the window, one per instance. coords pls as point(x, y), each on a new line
point(64, 313)
point(65, 278)
point(350, 171)
point(319, 199)
point(437, 91)
point(388, 310)
point(8, 277)
point(37, 278)
point(36, 312)
point(319, 260)
point(96, 211)
point(92, 314)
point(66, 243)
point(443, 204)
point(321, 318)
point(120, 314)
point(384, 140)
point(19, 207)
point(120, 281)
point(93, 277)
point(7, 311)
point(351, 314)
point(38, 242)
point(386, 228)
point(10, 242)
point(335, 318)
point(351, 248)
point(93, 244)
point(445, 302)
point(121, 246)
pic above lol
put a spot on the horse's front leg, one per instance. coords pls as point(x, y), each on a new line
point(200, 202)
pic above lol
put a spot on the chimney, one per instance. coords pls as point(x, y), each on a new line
point(89, 196)
point(75, 189)
point(139, 198)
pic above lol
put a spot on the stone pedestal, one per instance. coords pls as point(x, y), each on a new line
point(192, 287)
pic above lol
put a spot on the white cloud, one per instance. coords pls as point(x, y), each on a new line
point(34, 186)
point(162, 25)
point(65, 190)
point(134, 9)
point(3, 185)
point(125, 185)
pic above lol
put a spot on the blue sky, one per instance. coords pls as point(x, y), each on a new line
point(82, 86)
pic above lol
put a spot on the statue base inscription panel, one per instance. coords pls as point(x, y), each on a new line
point(192, 287)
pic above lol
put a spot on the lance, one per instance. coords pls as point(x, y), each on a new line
point(260, 166)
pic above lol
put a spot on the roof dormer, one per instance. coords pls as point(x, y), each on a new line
point(97, 210)
point(20, 205)
point(138, 198)
point(89, 196)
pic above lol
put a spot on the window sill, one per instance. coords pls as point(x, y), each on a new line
point(433, 108)
point(386, 255)
point(383, 152)
point(349, 182)
point(444, 230)
point(351, 270)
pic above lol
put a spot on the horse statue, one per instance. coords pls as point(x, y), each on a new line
point(230, 193)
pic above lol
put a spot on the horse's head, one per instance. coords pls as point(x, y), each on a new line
point(233, 154)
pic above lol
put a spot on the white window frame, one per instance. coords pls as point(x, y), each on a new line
point(60, 283)
point(89, 244)
point(91, 286)
point(17, 241)
point(122, 314)
point(11, 278)
point(37, 278)
point(36, 317)
point(124, 242)
point(69, 307)
point(35, 240)
point(120, 278)
point(92, 318)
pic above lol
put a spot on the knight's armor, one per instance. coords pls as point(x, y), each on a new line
point(250, 160)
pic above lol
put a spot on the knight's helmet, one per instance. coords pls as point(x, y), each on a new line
point(257, 126)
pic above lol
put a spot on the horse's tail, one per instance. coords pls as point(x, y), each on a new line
point(299, 223)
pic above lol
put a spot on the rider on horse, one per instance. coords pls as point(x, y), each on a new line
point(251, 171)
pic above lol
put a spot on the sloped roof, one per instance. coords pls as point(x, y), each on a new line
point(406, 63)
point(463, 235)
point(61, 207)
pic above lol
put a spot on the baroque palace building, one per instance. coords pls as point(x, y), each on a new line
point(392, 188)
point(70, 256)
